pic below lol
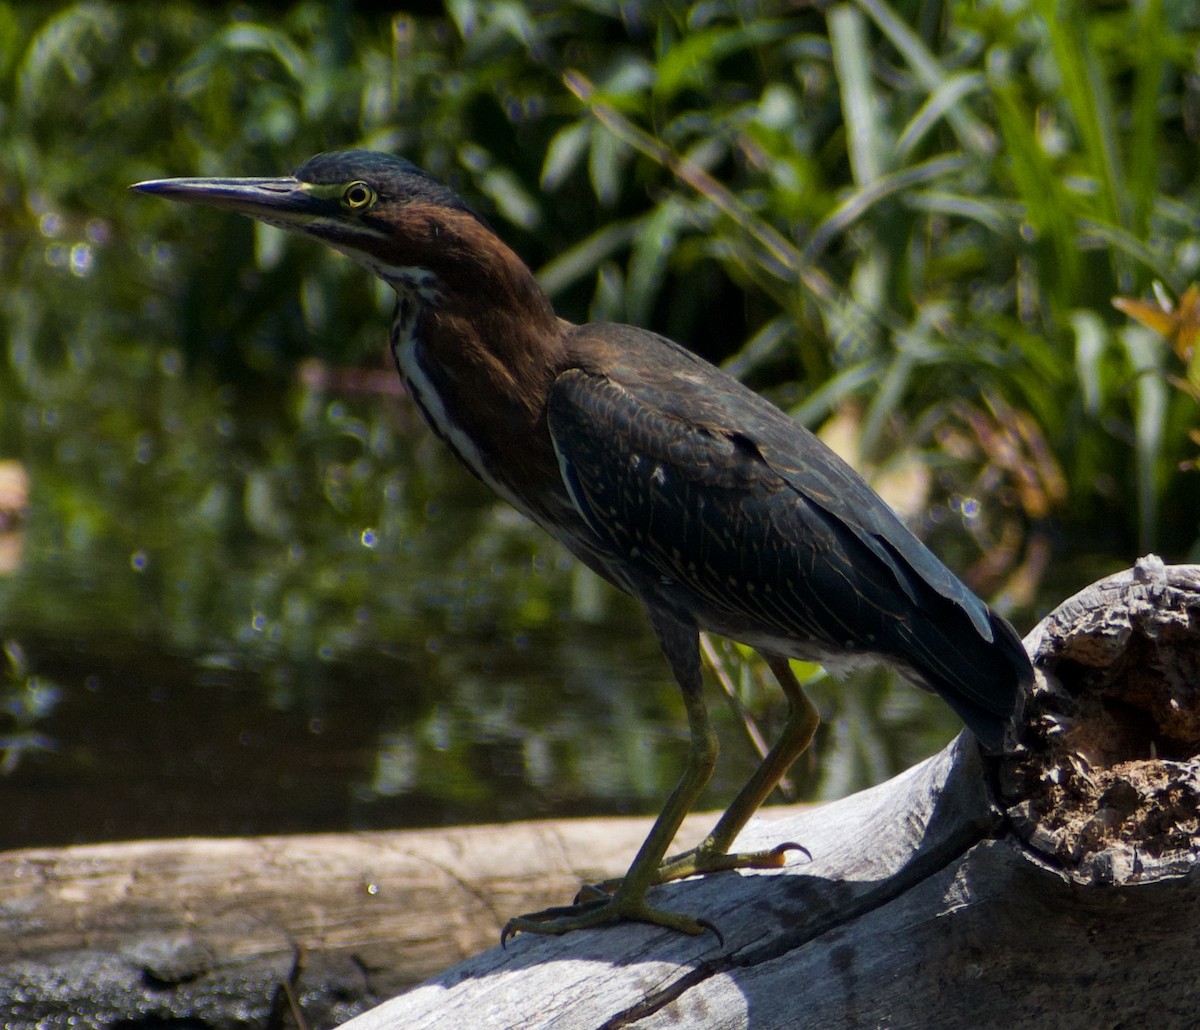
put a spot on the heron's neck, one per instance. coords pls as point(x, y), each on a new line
point(479, 345)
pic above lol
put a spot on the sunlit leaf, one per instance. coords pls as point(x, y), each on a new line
point(565, 151)
point(1179, 324)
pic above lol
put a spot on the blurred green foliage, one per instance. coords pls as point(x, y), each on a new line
point(906, 222)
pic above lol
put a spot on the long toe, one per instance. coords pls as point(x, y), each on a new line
point(700, 861)
point(601, 910)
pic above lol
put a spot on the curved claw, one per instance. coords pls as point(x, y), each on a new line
point(508, 933)
point(708, 924)
point(780, 851)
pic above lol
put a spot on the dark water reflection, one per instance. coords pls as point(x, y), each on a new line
point(145, 744)
point(255, 609)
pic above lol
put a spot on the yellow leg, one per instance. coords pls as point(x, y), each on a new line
point(680, 644)
point(712, 854)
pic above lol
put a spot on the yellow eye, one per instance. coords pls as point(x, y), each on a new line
point(357, 196)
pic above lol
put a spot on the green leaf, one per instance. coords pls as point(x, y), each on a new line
point(1091, 338)
point(1144, 351)
point(692, 62)
point(866, 135)
point(564, 152)
point(585, 257)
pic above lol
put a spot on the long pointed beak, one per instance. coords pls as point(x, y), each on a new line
point(283, 201)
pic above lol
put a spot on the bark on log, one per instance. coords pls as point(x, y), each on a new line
point(1056, 887)
point(211, 930)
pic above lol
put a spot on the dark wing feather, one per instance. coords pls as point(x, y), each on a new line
point(724, 505)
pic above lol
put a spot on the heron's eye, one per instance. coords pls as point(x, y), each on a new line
point(358, 196)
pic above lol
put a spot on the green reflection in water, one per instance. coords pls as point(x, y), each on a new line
point(235, 560)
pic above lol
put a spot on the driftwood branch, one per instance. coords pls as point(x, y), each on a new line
point(1055, 887)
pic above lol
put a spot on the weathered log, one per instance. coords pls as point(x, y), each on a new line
point(1058, 886)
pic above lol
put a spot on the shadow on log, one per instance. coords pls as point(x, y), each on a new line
point(1057, 886)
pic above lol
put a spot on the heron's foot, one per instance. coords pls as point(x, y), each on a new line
point(602, 908)
point(701, 860)
point(698, 862)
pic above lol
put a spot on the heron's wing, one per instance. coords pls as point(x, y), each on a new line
point(662, 379)
point(694, 479)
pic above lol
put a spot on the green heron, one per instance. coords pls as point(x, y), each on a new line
point(659, 471)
